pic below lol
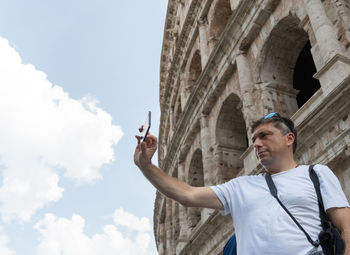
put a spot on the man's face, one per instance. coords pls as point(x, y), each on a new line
point(269, 143)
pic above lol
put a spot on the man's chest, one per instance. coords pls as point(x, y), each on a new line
point(296, 192)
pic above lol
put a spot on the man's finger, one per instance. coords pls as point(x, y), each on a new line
point(143, 147)
point(138, 139)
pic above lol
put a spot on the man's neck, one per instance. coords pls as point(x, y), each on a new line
point(281, 167)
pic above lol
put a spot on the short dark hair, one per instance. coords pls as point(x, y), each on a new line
point(285, 125)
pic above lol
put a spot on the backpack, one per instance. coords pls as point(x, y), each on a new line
point(231, 246)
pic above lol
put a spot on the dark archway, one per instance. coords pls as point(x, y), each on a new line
point(195, 68)
point(303, 79)
point(196, 179)
point(280, 67)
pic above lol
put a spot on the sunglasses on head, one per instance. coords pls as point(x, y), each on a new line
point(278, 116)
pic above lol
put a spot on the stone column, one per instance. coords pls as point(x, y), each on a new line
point(203, 40)
point(323, 29)
point(252, 106)
point(183, 235)
point(336, 65)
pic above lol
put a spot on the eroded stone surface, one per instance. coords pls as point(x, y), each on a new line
point(226, 63)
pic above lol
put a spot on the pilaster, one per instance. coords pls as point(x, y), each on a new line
point(207, 151)
point(203, 40)
point(336, 64)
point(183, 232)
point(252, 106)
point(161, 244)
point(323, 29)
point(168, 226)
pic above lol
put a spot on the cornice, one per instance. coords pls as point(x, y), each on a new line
point(330, 63)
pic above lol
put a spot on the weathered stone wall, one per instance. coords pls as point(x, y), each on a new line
point(226, 63)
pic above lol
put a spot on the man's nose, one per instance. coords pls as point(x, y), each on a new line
point(257, 143)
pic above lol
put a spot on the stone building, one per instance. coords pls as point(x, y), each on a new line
point(225, 63)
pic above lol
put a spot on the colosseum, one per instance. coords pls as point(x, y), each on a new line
point(225, 63)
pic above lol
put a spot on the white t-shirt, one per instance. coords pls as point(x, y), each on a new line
point(261, 224)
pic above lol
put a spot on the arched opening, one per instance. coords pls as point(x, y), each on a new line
point(178, 109)
point(279, 71)
point(219, 16)
point(231, 139)
point(195, 69)
point(303, 79)
point(196, 179)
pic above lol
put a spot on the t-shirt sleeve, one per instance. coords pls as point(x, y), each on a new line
point(225, 192)
point(331, 191)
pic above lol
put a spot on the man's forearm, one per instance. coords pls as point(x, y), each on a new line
point(169, 186)
point(346, 236)
point(340, 218)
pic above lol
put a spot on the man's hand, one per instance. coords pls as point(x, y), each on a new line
point(145, 150)
point(170, 186)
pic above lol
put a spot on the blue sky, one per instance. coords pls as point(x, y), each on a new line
point(76, 80)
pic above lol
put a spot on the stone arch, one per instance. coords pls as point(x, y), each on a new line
point(231, 139)
point(196, 179)
point(281, 50)
point(276, 65)
point(218, 17)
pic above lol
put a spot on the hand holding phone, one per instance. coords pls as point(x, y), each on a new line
point(146, 127)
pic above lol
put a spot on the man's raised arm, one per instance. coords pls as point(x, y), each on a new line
point(171, 187)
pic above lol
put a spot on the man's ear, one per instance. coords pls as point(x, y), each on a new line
point(290, 139)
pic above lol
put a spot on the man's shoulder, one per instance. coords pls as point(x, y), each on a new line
point(319, 168)
point(316, 167)
point(249, 179)
point(243, 179)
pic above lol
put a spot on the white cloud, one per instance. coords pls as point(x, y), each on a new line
point(123, 218)
point(61, 236)
point(3, 245)
point(43, 131)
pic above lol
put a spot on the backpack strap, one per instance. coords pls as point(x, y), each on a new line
point(314, 178)
point(273, 191)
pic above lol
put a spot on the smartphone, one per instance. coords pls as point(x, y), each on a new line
point(146, 127)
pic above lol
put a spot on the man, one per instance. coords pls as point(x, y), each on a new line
point(261, 225)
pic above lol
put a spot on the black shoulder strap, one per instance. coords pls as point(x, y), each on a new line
point(316, 182)
point(273, 191)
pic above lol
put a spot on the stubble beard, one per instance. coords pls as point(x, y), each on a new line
point(266, 161)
